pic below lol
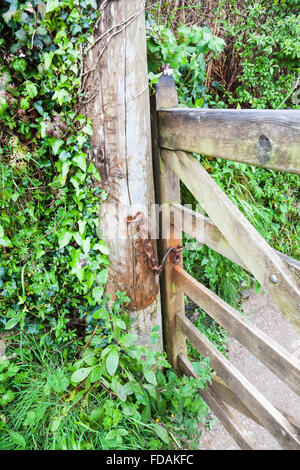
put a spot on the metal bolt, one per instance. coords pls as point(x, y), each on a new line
point(273, 278)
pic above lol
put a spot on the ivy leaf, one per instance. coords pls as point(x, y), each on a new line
point(97, 293)
point(112, 362)
point(51, 5)
point(80, 160)
point(55, 145)
point(31, 89)
point(48, 59)
point(102, 276)
point(5, 241)
point(61, 96)
point(101, 246)
point(86, 244)
point(64, 238)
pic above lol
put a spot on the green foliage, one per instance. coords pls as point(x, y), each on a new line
point(115, 396)
point(185, 53)
point(49, 199)
point(265, 35)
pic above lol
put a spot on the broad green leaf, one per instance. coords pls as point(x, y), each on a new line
point(5, 241)
point(81, 374)
point(55, 145)
point(161, 432)
point(17, 438)
point(51, 5)
point(86, 244)
point(80, 160)
point(112, 362)
point(102, 276)
point(64, 238)
point(12, 322)
point(150, 376)
point(118, 322)
point(97, 294)
point(31, 89)
point(101, 246)
point(48, 57)
point(96, 374)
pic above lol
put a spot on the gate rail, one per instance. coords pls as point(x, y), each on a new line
point(266, 138)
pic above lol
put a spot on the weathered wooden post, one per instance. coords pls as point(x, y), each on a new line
point(167, 189)
point(117, 87)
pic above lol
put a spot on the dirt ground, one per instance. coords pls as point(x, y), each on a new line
point(264, 314)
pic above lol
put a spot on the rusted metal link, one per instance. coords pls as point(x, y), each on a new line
point(152, 261)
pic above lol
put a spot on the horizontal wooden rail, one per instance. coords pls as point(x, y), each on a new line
point(188, 221)
point(269, 417)
point(218, 393)
point(249, 245)
point(230, 398)
point(220, 409)
point(267, 138)
point(274, 356)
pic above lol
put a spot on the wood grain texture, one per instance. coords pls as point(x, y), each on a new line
point(254, 251)
point(118, 94)
point(267, 138)
point(269, 417)
point(205, 231)
point(270, 353)
point(167, 186)
point(220, 410)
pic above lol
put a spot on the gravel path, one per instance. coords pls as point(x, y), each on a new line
point(264, 314)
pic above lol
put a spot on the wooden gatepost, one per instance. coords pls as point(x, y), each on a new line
point(116, 83)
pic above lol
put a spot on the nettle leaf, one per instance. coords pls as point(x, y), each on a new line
point(150, 376)
point(112, 362)
point(17, 438)
point(58, 381)
point(81, 374)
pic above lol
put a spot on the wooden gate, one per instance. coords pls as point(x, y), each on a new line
point(267, 138)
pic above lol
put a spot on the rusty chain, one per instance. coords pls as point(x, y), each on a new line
point(149, 251)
